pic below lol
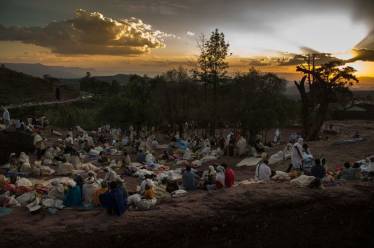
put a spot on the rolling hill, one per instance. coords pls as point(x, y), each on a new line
point(17, 87)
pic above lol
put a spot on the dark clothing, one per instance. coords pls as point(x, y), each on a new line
point(350, 174)
point(115, 201)
point(189, 180)
point(140, 158)
point(40, 153)
point(73, 197)
point(171, 186)
point(318, 171)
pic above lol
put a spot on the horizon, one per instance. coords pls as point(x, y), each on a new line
point(146, 37)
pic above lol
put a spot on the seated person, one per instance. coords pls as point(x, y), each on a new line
point(111, 175)
point(346, 173)
point(171, 186)
point(147, 181)
point(103, 159)
point(209, 177)
point(140, 157)
point(73, 195)
point(161, 190)
point(220, 177)
point(89, 188)
point(126, 160)
point(149, 192)
point(260, 148)
point(263, 171)
point(318, 170)
point(114, 200)
point(167, 156)
point(146, 198)
point(150, 159)
point(356, 171)
point(350, 173)
point(189, 179)
point(98, 192)
point(307, 160)
point(229, 176)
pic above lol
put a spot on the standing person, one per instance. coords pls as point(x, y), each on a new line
point(6, 117)
point(263, 171)
point(277, 136)
point(231, 145)
point(229, 176)
point(297, 155)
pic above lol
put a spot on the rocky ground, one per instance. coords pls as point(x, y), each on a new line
point(255, 215)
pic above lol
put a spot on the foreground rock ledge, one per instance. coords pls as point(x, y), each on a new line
point(271, 215)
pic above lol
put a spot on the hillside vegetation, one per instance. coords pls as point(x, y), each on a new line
point(16, 87)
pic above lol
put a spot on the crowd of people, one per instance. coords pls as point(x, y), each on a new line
point(89, 169)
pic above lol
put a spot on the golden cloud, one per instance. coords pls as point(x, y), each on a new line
point(90, 33)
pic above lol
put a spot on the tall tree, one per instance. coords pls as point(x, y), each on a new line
point(212, 65)
point(317, 94)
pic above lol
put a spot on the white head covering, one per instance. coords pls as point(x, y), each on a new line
point(220, 168)
point(211, 171)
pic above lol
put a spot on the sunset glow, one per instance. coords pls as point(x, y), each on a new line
point(128, 37)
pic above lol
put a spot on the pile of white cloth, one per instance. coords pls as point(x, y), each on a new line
point(252, 161)
point(281, 176)
point(302, 181)
point(276, 157)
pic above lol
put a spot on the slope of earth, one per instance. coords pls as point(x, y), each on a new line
point(255, 215)
point(261, 215)
point(16, 87)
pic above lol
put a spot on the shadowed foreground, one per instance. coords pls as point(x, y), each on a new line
point(273, 215)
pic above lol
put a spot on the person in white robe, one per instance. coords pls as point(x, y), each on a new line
point(277, 136)
point(6, 117)
point(241, 146)
point(263, 171)
point(297, 155)
point(89, 188)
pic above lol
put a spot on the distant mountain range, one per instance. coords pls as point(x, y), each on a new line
point(120, 78)
point(65, 74)
point(38, 70)
point(72, 75)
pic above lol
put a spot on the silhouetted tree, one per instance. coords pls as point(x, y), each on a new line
point(257, 102)
point(317, 94)
point(212, 65)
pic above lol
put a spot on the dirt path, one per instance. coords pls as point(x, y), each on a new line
point(33, 104)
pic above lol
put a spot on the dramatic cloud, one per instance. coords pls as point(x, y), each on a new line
point(365, 49)
point(291, 59)
point(90, 33)
point(363, 55)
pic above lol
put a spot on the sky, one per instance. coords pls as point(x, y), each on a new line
point(152, 36)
